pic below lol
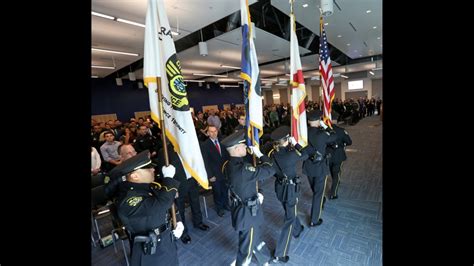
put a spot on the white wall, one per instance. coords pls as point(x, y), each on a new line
point(367, 87)
point(276, 92)
point(377, 88)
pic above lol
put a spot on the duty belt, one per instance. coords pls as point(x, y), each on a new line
point(150, 241)
point(292, 181)
point(157, 231)
point(284, 181)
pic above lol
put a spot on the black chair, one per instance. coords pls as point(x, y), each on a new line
point(99, 207)
point(122, 234)
point(97, 180)
point(204, 193)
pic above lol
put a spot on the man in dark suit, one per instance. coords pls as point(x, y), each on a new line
point(214, 158)
point(188, 188)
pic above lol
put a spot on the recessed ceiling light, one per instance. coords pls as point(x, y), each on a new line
point(374, 27)
point(325, 24)
point(339, 36)
point(104, 67)
point(113, 52)
point(305, 5)
point(131, 22)
point(378, 38)
point(368, 11)
point(348, 44)
point(233, 67)
point(102, 15)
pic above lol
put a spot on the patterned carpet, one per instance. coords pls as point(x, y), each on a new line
point(351, 233)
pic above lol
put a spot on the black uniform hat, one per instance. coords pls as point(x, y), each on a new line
point(141, 160)
point(234, 139)
point(314, 115)
point(280, 132)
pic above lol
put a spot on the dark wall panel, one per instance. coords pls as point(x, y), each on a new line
point(124, 100)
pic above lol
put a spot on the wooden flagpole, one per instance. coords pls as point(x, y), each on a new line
point(163, 139)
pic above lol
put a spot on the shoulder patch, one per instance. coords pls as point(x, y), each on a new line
point(106, 179)
point(133, 201)
point(250, 168)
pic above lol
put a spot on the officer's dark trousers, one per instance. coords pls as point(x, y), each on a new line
point(189, 189)
point(291, 227)
point(318, 186)
point(219, 192)
point(335, 168)
point(166, 253)
point(249, 242)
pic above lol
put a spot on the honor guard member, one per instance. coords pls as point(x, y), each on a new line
point(338, 155)
point(245, 201)
point(144, 211)
point(287, 187)
point(316, 166)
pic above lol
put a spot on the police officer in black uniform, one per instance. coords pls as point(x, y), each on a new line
point(245, 200)
point(316, 166)
point(287, 187)
point(144, 211)
point(338, 155)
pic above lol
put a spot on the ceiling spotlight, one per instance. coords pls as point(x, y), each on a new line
point(326, 7)
point(305, 5)
point(203, 48)
point(131, 76)
point(368, 11)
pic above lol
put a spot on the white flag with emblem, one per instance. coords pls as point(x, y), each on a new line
point(160, 64)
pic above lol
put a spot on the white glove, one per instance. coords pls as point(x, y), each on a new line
point(322, 124)
point(260, 198)
point(292, 140)
point(256, 151)
point(168, 171)
point(178, 231)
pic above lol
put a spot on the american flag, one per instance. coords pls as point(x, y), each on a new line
point(327, 78)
